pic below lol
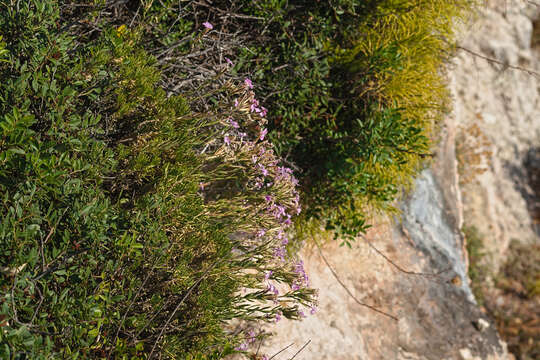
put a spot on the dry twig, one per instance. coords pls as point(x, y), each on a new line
point(349, 292)
point(505, 65)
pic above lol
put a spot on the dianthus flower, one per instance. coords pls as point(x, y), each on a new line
point(263, 134)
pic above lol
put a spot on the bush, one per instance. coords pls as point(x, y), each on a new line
point(128, 219)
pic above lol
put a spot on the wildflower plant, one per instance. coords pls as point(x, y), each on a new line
point(246, 176)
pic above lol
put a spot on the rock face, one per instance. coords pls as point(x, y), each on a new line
point(497, 110)
point(504, 105)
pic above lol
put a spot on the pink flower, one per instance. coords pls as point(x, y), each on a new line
point(313, 310)
point(278, 317)
point(235, 102)
point(227, 140)
point(263, 134)
point(233, 123)
point(208, 25)
point(248, 83)
point(287, 220)
point(272, 289)
point(279, 252)
point(259, 183)
point(229, 61)
point(295, 287)
point(263, 170)
point(242, 347)
point(251, 336)
point(268, 274)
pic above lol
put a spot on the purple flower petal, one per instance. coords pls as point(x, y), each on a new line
point(242, 347)
point(208, 25)
point(272, 289)
point(233, 123)
point(248, 83)
point(229, 61)
point(268, 274)
point(263, 134)
point(279, 252)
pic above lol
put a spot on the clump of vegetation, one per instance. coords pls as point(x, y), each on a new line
point(518, 314)
point(358, 120)
point(132, 225)
point(478, 269)
point(513, 301)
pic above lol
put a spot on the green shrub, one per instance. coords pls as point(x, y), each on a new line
point(130, 227)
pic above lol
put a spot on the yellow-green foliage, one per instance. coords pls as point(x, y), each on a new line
point(394, 78)
point(402, 56)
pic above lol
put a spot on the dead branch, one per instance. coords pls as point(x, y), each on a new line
point(505, 65)
point(349, 292)
point(302, 348)
point(400, 268)
point(280, 351)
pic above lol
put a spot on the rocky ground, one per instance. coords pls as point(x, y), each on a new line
point(480, 177)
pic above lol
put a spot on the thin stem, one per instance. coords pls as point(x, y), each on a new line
point(506, 65)
point(302, 348)
point(349, 292)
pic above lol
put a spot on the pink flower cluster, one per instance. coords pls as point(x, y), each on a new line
point(272, 193)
